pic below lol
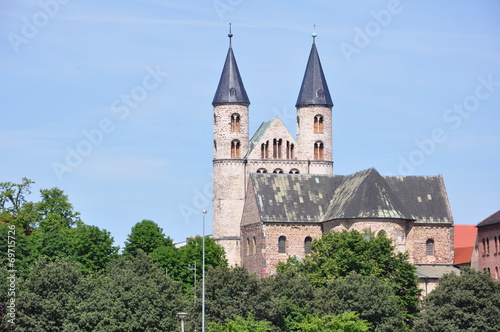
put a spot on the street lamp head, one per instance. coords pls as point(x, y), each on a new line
point(204, 211)
point(182, 315)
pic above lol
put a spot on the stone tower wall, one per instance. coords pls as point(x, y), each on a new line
point(229, 178)
point(306, 136)
point(223, 136)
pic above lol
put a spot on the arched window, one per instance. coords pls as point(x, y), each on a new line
point(318, 150)
point(235, 149)
point(262, 170)
point(282, 245)
point(278, 170)
point(215, 119)
point(254, 248)
point(215, 146)
point(248, 246)
point(307, 245)
point(488, 246)
point(277, 148)
point(280, 141)
point(429, 247)
point(484, 246)
point(294, 171)
point(232, 92)
point(496, 246)
point(263, 151)
point(235, 122)
point(382, 233)
point(318, 124)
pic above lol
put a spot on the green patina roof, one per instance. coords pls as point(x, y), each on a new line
point(257, 136)
point(365, 194)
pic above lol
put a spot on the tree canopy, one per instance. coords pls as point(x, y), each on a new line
point(466, 302)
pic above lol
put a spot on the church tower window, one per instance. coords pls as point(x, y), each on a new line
point(235, 122)
point(318, 150)
point(235, 149)
point(282, 245)
point(320, 94)
point(294, 171)
point(429, 247)
point(278, 170)
point(232, 92)
point(262, 170)
point(318, 124)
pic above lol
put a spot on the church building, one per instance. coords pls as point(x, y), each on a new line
point(274, 193)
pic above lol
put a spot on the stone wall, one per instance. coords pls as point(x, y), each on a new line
point(442, 235)
point(306, 137)
point(295, 235)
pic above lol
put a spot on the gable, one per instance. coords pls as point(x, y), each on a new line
point(267, 132)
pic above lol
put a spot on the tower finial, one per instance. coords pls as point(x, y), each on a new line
point(230, 35)
point(314, 34)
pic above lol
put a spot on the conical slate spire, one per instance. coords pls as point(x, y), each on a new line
point(314, 90)
point(231, 89)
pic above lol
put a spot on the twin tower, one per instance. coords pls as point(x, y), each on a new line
point(272, 149)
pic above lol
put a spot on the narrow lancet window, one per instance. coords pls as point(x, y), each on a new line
point(235, 122)
point(235, 149)
point(318, 150)
point(318, 124)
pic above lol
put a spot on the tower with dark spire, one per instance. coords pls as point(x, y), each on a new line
point(230, 145)
point(314, 116)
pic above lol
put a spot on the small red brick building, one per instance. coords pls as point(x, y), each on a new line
point(488, 245)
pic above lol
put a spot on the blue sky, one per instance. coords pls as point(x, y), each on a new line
point(111, 100)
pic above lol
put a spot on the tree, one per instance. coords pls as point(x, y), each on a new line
point(50, 297)
point(91, 247)
point(466, 302)
point(133, 294)
point(229, 292)
point(180, 262)
point(54, 211)
point(146, 236)
point(12, 203)
point(345, 322)
point(337, 254)
point(373, 298)
point(240, 324)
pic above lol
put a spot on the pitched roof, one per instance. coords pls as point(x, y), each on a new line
point(424, 196)
point(230, 89)
point(292, 197)
point(464, 236)
point(463, 255)
point(434, 271)
point(314, 89)
point(365, 194)
point(491, 220)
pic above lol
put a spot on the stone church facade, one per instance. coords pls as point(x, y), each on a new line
point(274, 194)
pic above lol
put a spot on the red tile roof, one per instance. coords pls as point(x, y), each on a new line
point(463, 255)
point(465, 236)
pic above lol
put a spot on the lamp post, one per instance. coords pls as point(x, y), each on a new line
point(203, 278)
point(181, 316)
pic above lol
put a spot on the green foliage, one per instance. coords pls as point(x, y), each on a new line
point(91, 247)
point(372, 297)
point(50, 296)
point(132, 295)
point(466, 302)
point(337, 254)
point(230, 292)
point(146, 236)
point(240, 324)
point(290, 298)
point(180, 262)
point(54, 211)
point(345, 322)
